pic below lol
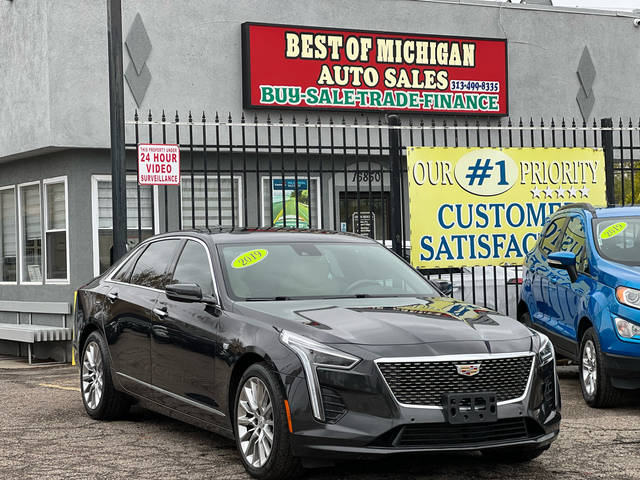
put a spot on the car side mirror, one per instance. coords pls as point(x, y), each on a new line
point(184, 292)
point(564, 261)
point(445, 286)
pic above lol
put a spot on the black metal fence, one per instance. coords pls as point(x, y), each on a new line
point(339, 174)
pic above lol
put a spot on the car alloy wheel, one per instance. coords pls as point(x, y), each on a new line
point(92, 375)
point(254, 422)
point(589, 368)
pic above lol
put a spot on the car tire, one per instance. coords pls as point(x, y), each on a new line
point(514, 454)
point(100, 398)
point(597, 390)
point(250, 420)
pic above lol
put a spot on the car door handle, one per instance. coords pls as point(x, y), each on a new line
point(161, 312)
point(112, 296)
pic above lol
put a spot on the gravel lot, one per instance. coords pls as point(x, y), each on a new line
point(45, 433)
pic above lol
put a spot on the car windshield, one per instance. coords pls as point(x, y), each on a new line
point(283, 271)
point(618, 239)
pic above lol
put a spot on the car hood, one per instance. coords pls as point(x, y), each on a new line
point(614, 274)
point(395, 321)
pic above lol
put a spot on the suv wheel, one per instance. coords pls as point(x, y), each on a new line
point(101, 400)
point(597, 390)
point(261, 426)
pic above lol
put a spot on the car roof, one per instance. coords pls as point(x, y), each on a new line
point(617, 212)
point(602, 212)
point(253, 235)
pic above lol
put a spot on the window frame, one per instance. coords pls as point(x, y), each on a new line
point(240, 206)
point(264, 189)
point(20, 186)
point(45, 221)
point(15, 219)
point(95, 221)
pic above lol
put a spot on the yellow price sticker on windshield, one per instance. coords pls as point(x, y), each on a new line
point(613, 230)
point(249, 258)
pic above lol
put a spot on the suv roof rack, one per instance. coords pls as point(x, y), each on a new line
point(585, 205)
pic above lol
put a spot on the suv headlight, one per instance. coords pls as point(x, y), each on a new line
point(546, 353)
point(628, 296)
point(626, 329)
point(313, 354)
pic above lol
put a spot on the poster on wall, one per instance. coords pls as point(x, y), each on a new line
point(473, 207)
point(280, 200)
point(324, 68)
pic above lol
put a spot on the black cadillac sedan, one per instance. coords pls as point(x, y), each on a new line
point(308, 346)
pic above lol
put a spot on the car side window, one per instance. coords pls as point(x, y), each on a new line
point(124, 274)
point(574, 241)
point(550, 241)
point(193, 267)
point(152, 268)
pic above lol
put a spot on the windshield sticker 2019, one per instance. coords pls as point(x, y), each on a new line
point(247, 259)
point(613, 230)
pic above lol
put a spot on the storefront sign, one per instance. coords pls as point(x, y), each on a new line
point(322, 68)
point(158, 164)
point(486, 206)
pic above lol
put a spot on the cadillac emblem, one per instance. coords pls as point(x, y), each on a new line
point(468, 370)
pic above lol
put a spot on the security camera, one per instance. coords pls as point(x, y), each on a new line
point(636, 22)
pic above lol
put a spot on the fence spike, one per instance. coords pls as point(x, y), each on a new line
point(573, 122)
point(164, 117)
point(293, 119)
point(135, 115)
point(242, 119)
point(520, 123)
point(216, 118)
point(190, 117)
point(306, 119)
point(255, 118)
point(150, 116)
point(204, 117)
point(564, 125)
point(177, 117)
point(509, 123)
point(280, 119)
point(553, 123)
point(230, 120)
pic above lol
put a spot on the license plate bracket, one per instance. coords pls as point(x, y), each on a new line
point(462, 408)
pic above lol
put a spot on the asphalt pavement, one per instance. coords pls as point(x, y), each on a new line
point(45, 433)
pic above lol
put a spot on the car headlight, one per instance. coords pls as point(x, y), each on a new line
point(627, 329)
point(546, 353)
point(628, 296)
point(313, 354)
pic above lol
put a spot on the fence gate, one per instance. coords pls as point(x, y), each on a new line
point(341, 174)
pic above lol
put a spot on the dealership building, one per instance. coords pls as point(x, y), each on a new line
point(239, 86)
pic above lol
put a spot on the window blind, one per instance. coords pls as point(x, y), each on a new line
point(8, 223)
point(198, 204)
point(105, 220)
point(56, 205)
point(31, 212)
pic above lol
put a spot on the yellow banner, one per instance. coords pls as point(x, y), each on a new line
point(486, 206)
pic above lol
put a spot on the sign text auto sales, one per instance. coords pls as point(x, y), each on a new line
point(307, 67)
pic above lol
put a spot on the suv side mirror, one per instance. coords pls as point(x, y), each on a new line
point(184, 292)
point(445, 286)
point(564, 261)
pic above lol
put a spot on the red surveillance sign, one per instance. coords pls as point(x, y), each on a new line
point(158, 164)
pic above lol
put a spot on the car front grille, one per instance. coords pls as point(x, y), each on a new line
point(423, 383)
point(444, 434)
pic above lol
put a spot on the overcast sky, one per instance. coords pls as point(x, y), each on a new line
point(605, 4)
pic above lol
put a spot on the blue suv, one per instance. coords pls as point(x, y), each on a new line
point(581, 288)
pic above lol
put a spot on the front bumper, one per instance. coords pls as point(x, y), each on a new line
point(374, 424)
point(624, 371)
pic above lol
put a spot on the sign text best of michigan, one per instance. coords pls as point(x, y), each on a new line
point(472, 207)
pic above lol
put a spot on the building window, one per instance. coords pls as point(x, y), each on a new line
point(56, 230)
point(102, 214)
point(30, 233)
point(221, 206)
point(279, 199)
point(8, 235)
